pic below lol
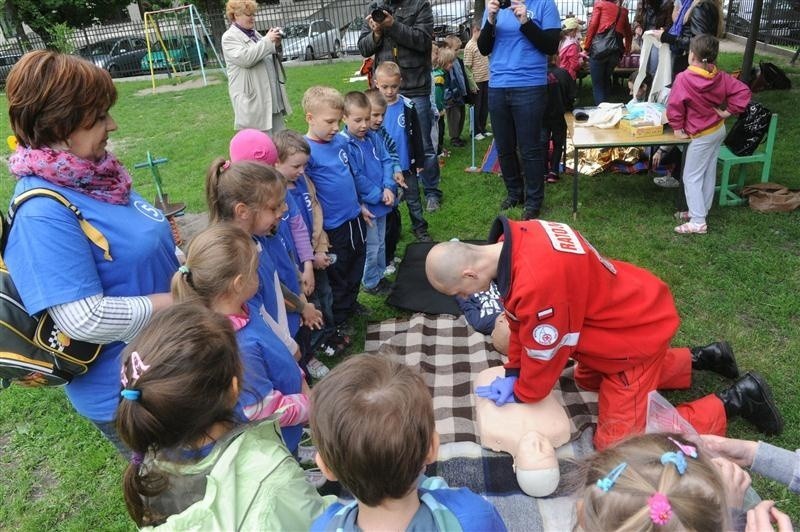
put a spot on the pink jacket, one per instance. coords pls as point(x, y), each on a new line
point(696, 92)
point(569, 56)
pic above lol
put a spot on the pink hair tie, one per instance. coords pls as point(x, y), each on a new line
point(660, 509)
point(226, 165)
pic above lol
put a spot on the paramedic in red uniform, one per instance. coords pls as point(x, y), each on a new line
point(564, 300)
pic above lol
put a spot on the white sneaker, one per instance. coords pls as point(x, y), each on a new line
point(488, 133)
point(666, 181)
point(315, 477)
point(479, 136)
point(391, 269)
point(317, 369)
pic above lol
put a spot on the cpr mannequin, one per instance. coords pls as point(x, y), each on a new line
point(529, 432)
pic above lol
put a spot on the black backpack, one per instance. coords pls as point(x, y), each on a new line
point(33, 350)
point(774, 77)
point(749, 130)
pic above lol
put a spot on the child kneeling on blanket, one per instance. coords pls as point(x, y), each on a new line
point(373, 425)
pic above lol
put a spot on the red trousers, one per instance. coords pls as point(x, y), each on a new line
point(623, 397)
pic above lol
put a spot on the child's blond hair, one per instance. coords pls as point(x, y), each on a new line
point(453, 42)
point(215, 257)
point(387, 68)
point(355, 100)
point(376, 99)
point(318, 97)
point(445, 57)
point(289, 142)
point(696, 498)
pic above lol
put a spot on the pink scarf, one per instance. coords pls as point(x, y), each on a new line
point(105, 180)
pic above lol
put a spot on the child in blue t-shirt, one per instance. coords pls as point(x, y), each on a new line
point(330, 171)
point(221, 273)
point(401, 121)
point(376, 188)
point(382, 468)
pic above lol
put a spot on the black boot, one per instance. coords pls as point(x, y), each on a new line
point(716, 357)
point(751, 398)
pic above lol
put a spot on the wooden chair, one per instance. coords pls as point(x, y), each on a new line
point(728, 193)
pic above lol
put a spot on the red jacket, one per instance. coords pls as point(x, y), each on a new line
point(603, 15)
point(563, 299)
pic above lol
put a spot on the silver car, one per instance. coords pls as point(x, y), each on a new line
point(310, 40)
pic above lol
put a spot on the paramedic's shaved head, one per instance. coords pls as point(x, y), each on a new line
point(457, 268)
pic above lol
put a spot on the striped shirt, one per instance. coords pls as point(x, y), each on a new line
point(475, 61)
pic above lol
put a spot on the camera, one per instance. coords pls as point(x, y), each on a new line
point(505, 4)
point(378, 14)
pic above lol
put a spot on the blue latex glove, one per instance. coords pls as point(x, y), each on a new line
point(501, 391)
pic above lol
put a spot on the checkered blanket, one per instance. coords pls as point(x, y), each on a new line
point(449, 354)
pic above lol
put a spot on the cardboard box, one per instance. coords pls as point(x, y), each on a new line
point(647, 131)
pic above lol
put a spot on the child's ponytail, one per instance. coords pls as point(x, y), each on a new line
point(212, 189)
point(178, 380)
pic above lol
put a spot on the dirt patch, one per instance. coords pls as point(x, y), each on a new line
point(174, 86)
point(44, 484)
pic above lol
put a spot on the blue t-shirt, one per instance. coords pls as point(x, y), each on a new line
point(372, 167)
point(515, 61)
point(302, 197)
point(267, 365)
point(287, 273)
point(267, 294)
point(53, 262)
point(285, 230)
point(328, 167)
point(441, 509)
point(394, 120)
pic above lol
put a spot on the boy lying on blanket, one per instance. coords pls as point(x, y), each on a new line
point(373, 424)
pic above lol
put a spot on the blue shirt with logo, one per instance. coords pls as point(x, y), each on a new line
point(394, 120)
point(329, 169)
point(53, 262)
point(515, 61)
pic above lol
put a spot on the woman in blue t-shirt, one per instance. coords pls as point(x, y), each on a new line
point(519, 38)
point(59, 110)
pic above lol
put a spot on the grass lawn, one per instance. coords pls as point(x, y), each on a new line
point(740, 282)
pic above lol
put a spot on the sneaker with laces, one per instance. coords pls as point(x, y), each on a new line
point(479, 136)
point(487, 133)
point(306, 454)
point(508, 203)
point(666, 181)
point(316, 368)
point(391, 269)
point(315, 477)
point(432, 205)
point(422, 235)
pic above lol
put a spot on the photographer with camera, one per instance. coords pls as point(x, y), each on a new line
point(519, 39)
point(402, 31)
point(256, 80)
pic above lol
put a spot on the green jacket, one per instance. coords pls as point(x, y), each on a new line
point(248, 482)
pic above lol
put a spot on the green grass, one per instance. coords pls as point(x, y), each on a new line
point(740, 282)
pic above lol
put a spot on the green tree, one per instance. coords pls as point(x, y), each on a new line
point(43, 15)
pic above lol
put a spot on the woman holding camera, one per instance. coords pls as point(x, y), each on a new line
point(519, 40)
point(256, 82)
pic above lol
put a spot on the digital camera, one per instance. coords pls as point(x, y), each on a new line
point(379, 13)
point(505, 4)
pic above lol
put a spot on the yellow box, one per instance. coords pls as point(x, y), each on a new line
point(647, 131)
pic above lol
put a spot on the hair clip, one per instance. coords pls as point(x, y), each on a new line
point(660, 508)
point(184, 269)
point(131, 395)
point(608, 481)
point(137, 458)
point(676, 458)
point(688, 450)
point(226, 165)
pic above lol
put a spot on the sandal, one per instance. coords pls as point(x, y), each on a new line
point(682, 216)
point(690, 228)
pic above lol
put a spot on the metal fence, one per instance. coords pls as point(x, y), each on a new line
point(330, 28)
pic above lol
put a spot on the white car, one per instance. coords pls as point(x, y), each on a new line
point(310, 40)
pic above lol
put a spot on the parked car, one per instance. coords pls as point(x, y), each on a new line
point(121, 56)
point(781, 19)
point(453, 18)
point(351, 35)
point(7, 60)
point(310, 40)
point(182, 50)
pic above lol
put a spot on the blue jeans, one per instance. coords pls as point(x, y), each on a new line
point(323, 300)
point(516, 115)
point(430, 173)
point(414, 202)
point(109, 430)
point(601, 72)
point(375, 263)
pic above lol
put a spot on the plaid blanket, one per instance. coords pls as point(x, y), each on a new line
point(449, 354)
